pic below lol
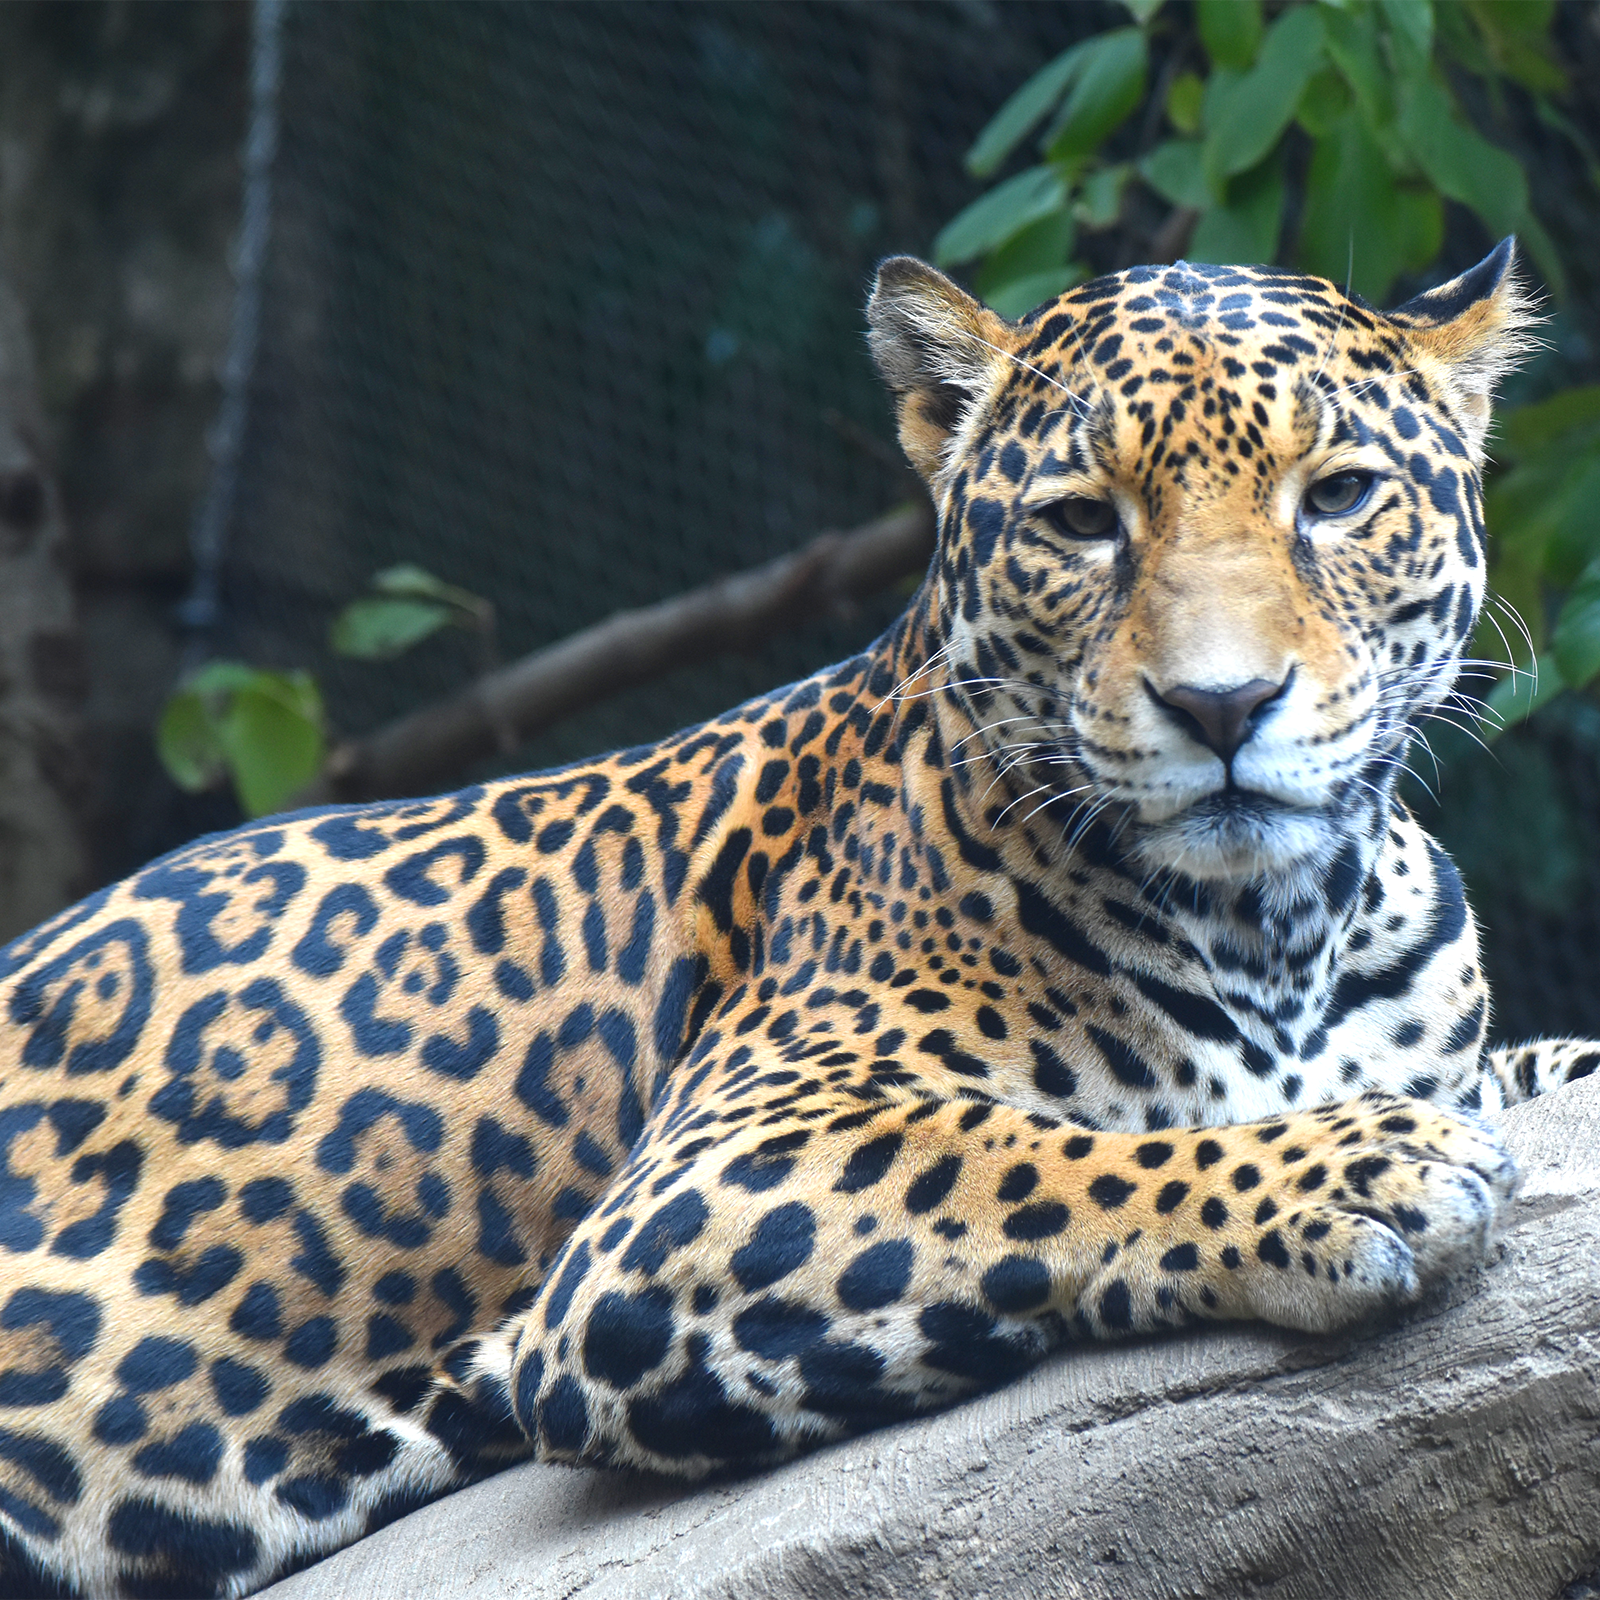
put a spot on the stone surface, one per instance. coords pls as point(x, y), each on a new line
point(1455, 1454)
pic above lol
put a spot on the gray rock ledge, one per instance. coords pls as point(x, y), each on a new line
point(1455, 1455)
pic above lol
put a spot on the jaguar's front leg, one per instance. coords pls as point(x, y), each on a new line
point(778, 1267)
point(1542, 1066)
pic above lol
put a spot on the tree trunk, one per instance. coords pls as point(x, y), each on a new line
point(120, 127)
point(42, 854)
point(1453, 1456)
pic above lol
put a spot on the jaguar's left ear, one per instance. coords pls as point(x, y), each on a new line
point(1477, 327)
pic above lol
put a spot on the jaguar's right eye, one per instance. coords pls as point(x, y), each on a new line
point(1080, 516)
point(1340, 494)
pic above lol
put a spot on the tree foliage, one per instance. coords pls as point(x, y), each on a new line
point(1356, 95)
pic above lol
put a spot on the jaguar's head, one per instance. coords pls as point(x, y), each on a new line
point(1211, 539)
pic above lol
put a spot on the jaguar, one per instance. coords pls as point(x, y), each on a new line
point(1064, 967)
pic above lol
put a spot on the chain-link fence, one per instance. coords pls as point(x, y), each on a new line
point(1522, 820)
point(563, 303)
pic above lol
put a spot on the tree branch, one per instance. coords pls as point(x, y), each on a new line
point(503, 708)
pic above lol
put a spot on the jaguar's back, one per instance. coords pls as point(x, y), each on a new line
point(831, 1061)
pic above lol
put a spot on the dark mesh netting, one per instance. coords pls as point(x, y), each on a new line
point(563, 302)
point(1522, 821)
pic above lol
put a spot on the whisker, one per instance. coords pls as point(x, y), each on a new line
point(1027, 366)
point(1461, 727)
point(1046, 724)
point(1333, 338)
point(1028, 796)
point(1511, 655)
point(1095, 810)
point(898, 692)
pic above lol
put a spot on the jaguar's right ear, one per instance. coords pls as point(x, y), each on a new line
point(940, 351)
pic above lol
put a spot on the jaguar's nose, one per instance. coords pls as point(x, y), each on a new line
point(1221, 719)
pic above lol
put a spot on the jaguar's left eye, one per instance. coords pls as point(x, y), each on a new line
point(1339, 494)
point(1081, 516)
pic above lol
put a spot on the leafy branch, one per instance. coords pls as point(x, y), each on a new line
point(1329, 136)
point(266, 732)
point(1352, 99)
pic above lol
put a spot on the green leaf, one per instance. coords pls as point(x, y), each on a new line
point(1534, 427)
point(1457, 39)
point(264, 728)
point(1174, 171)
point(1355, 225)
point(272, 736)
point(222, 677)
point(1576, 642)
point(1100, 200)
point(1542, 513)
point(1352, 38)
point(410, 604)
point(1411, 30)
point(1326, 99)
point(1185, 100)
point(1539, 245)
point(1532, 68)
point(1515, 39)
point(1572, 541)
point(414, 582)
point(1108, 88)
point(187, 742)
point(1552, 116)
point(1017, 118)
point(1525, 15)
point(1519, 694)
point(376, 629)
point(1510, 17)
point(1460, 163)
point(1043, 246)
point(1512, 621)
point(1246, 118)
point(1018, 297)
point(1000, 215)
point(409, 581)
point(1230, 31)
point(1419, 226)
point(1143, 10)
point(1246, 225)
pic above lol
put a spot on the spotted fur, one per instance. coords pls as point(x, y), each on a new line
point(1063, 967)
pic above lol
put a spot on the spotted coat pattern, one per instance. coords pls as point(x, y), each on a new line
point(1062, 967)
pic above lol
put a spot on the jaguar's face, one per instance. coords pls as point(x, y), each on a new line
point(1211, 540)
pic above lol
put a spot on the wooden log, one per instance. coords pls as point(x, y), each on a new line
point(430, 747)
point(1452, 1456)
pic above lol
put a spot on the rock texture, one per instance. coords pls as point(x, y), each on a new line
point(1455, 1454)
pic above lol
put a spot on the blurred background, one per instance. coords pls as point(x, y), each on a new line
point(562, 304)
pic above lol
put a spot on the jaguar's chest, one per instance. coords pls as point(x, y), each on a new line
point(1090, 992)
